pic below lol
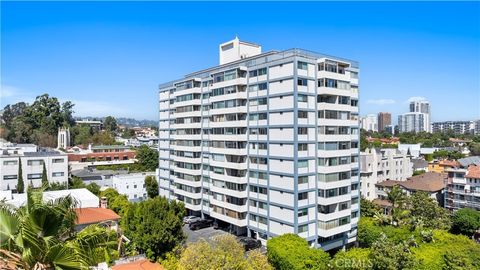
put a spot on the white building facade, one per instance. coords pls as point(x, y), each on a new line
point(413, 122)
point(31, 159)
point(132, 185)
point(370, 122)
point(267, 143)
point(457, 127)
point(378, 165)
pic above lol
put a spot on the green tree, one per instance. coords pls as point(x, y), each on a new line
point(427, 211)
point(398, 199)
point(57, 186)
point(94, 188)
point(41, 235)
point(291, 252)
point(82, 134)
point(116, 202)
point(368, 208)
point(110, 124)
point(466, 221)
point(147, 157)
point(223, 252)
point(20, 183)
point(128, 133)
point(44, 176)
point(155, 226)
point(386, 255)
point(474, 148)
point(151, 186)
point(76, 182)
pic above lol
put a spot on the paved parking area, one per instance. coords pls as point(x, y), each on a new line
point(206, 233)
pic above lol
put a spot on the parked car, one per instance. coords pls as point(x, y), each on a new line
point(200, 224)
point(221, 225)
point(249, 243)
point(190, 219)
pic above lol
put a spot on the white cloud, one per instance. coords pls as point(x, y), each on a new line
point(381, 101)
point(415, 99)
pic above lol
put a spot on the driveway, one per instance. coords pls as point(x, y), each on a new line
point(206, 233)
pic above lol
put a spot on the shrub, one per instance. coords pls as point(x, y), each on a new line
point(466, 221)
point(291, 252)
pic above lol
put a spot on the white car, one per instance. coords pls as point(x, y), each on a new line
point(190, 219)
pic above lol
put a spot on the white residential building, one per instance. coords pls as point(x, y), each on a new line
point(63, 138)
point(132, 185)
point(378, 165)
point(413, 122)
point(267, 142)
point(418, 119)
point(82, 196)
point(31, 158)
point(457, 127)
point(369, 122)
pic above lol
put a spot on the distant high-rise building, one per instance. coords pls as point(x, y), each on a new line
point(369, 122)
point(413, 122)
point(384, 120)
point(418, 119)
point(266, 142)
point(420, 106)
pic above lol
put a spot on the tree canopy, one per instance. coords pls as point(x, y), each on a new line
point(291, 252)
point(155, 226)
point(37, 123)
point(151, 185)
point(147, 157)
point(466, 221)
point(222, 252)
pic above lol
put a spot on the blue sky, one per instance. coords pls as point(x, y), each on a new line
point(109, 57)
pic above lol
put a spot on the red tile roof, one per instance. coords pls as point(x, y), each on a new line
point(473, 172)
point(138, 265)
point(94, 215)
point(449, 163)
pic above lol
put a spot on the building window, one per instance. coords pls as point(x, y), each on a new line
point(9, 177)
point(302, 82)
point(302, 131)
point(302, 147)
point(302, 179)
point(303, 228)
point(302, 114)
point(302, 196)
point(10, 162)
point(303, 164)
point(58, 160)
point(302, 212)
point(35, 162)
point(56, 174)
point(34, 176)
point(302, 65)
point(302, 98)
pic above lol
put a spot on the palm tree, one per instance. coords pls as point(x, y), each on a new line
point(398, 200)
point(41, 235)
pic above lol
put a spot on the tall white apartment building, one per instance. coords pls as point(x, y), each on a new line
point(31, 159)
point(413, 122)
point(369, 122)
point(378, 165)
point(267, 142)
point(418, 119)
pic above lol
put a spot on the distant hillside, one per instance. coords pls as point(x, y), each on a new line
point(125, 121)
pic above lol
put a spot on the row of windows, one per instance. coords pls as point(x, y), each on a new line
point(331, 83)
point(258, 72)
point(228, 103)
point(32, 176)
point(229, 75)
point(226, 90)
